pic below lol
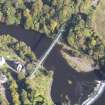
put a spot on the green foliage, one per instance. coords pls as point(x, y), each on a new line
point(29, 21)
point(25, 98)
point(38, 89)
point(14, 93)
point(22, 90)
point(45, 16)
point(87, 32)
point(79, 33)
point(83, 39)
point(1, 15)
point(3, 100)
point(19, 4)
point(85, 6)
point(93, 42)
point(71, 40)
point(38, 15)
point(9, 11)
point(21, 76)
point(53, 25)
point(39, 100)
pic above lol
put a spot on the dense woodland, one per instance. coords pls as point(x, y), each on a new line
point(40, 15)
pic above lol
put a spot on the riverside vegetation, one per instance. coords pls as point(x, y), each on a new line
point(84, 36)
point(21, 90)
point(46, 16)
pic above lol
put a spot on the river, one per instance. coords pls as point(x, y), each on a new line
point(61, 89)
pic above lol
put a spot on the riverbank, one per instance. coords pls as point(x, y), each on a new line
point(18, 85)
point(80, 63)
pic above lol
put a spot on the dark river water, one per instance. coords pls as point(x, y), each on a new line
point(61, 90)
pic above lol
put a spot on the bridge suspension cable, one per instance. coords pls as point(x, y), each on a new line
point(43, 58)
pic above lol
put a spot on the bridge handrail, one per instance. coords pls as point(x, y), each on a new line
point(57, 37)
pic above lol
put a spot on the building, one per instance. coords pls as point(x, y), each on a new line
point(2, 61)
point(19, 67)
point(3, 78)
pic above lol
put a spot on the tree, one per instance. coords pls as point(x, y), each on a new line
point(1, 98)
point(53, 25)
point(39, 100)
point(19, 4)
point(2, 1)
point(14, 93)
point(29, 20)
point(37, 8)
point(21, 76)
point(1, 15)
point(85, 6)
point(46, 30)
point(71, 40)
point(9, 11)
point(25, 98)
point(18, 18)
point(80, 35)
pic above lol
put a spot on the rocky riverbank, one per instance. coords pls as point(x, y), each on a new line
point(80, 64)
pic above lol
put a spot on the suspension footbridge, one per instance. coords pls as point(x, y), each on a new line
point(43, 58)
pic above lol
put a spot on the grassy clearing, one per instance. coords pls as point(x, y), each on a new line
point(99, 19)
point(42, 85)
